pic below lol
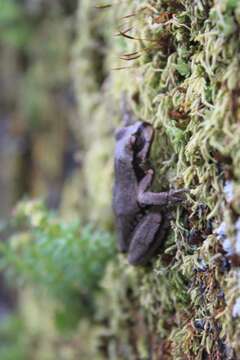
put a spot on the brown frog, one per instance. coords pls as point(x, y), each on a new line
point(141, 215)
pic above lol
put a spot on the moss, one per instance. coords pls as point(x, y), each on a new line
point(185, 81)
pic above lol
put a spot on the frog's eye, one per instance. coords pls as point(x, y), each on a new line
point(120, 133)
point(139, 143)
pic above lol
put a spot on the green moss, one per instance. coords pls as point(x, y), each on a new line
point(186, 82)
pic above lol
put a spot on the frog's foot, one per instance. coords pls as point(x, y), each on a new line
point(177, 196)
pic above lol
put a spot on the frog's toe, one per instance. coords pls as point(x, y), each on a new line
point(178, 195)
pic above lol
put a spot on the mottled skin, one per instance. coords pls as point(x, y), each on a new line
point(140, 225)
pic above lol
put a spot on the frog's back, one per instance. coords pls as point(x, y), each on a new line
point(125, 190)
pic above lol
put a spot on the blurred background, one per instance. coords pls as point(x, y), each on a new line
point(54, 161)
point(37, 99)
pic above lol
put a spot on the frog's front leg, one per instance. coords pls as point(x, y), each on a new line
point(147, 238)
point(146, 198)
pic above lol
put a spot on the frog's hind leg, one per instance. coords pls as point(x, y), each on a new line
point(147, 238)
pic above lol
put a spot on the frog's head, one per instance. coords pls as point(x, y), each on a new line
point(133, 145)
point(135, 140)
point(141, 141)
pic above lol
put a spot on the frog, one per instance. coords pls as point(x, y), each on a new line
point(141, 215)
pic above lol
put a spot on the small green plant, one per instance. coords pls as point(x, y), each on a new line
point(65, 260)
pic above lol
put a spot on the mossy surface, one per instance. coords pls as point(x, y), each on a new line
point(181, 74)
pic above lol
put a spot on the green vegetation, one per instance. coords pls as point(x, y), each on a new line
point(64, 260)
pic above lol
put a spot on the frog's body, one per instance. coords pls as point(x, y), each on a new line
point(125, 203)
point(140, 225)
